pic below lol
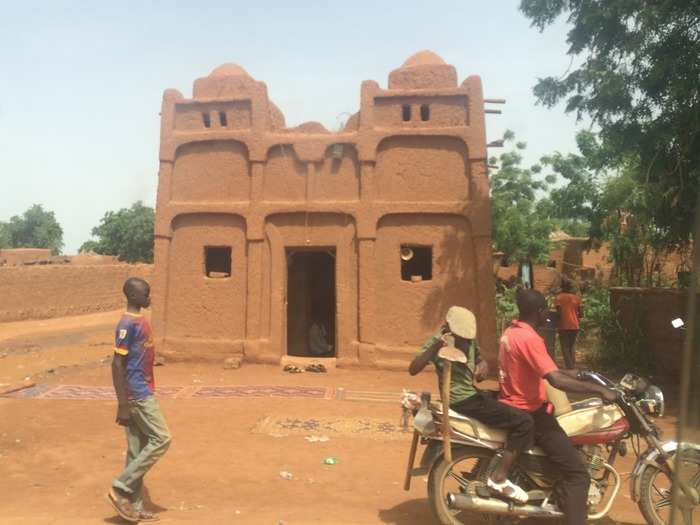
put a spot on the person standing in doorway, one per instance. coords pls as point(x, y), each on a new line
point(147, 434)
point(568, 305)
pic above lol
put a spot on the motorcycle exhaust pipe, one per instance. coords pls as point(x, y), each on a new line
point(497, 506)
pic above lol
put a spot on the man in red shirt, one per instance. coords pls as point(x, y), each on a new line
point(569, 308)
point(524, 365)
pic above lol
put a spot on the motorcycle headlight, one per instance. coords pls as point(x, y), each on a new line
point(653, 401)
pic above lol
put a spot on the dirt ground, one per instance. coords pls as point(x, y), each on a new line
point(57, 456)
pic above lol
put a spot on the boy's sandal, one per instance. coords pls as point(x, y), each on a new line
point(292, 369)
point(509, 490)
point(145, 515)
point(316, 367)
point(122, 506)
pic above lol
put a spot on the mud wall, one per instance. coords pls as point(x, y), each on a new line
point(653, 309)
point(198, 303)
point(547, 280)
point(19, 256)
point(42, 292)
point(599, 259)
point(425, 302)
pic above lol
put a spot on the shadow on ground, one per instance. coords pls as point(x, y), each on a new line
point(411, 512)
point(417, 512)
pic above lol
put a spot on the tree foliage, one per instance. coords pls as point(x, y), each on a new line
point(607, 203)
point(5, 236)
point(127, 233)
point(573, 202)
point(35, 228)
point(637, 79)
point(519, 229)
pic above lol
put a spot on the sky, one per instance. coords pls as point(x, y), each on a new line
point(81, 82)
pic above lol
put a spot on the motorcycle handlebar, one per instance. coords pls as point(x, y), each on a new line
point(595, 377)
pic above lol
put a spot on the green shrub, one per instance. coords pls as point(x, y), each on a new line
point(618, 348)
point(595, 304)
point(506, 309)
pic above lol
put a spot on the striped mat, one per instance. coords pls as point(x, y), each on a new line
point(332, 427)
point(97, 393)
point(367, 397)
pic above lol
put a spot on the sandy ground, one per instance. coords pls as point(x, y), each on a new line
point(57, 457)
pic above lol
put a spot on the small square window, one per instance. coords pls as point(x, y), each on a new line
point(217, 262)
point(416, 263)
point(406, 112)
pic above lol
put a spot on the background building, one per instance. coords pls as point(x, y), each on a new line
point(375, 229)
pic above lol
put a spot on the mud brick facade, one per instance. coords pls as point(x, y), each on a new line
point(375, 229)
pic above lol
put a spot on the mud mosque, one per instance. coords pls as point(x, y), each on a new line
point(373, 231)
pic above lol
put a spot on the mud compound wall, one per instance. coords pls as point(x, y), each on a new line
point(42, 292)
point(651, 310)
point(547, 280)
point(20, 256)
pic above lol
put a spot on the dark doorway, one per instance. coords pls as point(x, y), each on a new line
point(311, 303)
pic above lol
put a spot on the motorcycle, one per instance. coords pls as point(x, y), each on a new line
point(461, 453)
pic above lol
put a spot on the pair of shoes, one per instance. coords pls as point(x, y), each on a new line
point(293, 369)
point(316, 367)
point(509, 490)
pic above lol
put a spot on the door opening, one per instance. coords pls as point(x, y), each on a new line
point(311, 319)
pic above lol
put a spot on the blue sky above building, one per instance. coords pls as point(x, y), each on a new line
point(81, 82)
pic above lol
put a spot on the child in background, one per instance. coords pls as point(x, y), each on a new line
point(568, 305)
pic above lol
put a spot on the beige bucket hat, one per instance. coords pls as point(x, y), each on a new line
point(461, 322)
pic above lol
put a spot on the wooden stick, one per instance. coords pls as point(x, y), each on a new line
point(411, 459)
point(445, 394)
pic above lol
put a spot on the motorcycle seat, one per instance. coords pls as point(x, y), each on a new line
point(470, 426)
point(589, 417)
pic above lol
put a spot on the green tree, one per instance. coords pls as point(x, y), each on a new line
point(519, 228)
point(127, 233)
point(638, 65)
point(607, 204)
point(5, 235)
point(625, 219)
point(573, 203)
point(35, 228)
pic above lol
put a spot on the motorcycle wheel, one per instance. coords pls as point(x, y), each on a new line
point(468, 464)
point(655, 492)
